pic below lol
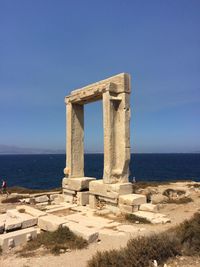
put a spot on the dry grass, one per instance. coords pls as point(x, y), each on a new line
point(134, 218)
point(188, 233)
point(14, 199)
point(142, 185)
point(140, 252)
point(197, 186)
point(183, 200)
point(54, 242)
point(23, 190)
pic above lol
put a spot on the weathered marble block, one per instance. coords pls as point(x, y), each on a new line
point(110, 190)
point(132, 199)
point(79, 184)
point(50, 222)
point(26, 219)
point(16, 238)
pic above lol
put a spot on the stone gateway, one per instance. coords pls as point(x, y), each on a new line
point(115, 95)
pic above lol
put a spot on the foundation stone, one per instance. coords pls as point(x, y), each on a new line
point(10, 240)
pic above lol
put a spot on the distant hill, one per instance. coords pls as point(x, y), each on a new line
point(5, 149)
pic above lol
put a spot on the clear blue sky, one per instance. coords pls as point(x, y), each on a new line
point(48, 48)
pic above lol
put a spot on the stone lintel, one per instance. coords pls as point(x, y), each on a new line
point(116, 84)
point(79, 184)
point(111, 191)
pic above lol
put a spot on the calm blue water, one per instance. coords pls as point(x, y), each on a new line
point(46, 171)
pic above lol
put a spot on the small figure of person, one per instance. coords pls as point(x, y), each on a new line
point(4, 187)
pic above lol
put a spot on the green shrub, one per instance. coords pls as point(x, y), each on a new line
point(188, 233)
point(62, 238)
point(139, 252)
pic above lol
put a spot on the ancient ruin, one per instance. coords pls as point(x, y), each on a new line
point(110, 196)
point(115, 95)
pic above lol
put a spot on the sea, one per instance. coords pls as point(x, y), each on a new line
point(46, 171)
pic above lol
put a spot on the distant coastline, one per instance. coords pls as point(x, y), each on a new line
point(16, 150)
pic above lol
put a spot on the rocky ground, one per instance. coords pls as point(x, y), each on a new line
point(119, 232)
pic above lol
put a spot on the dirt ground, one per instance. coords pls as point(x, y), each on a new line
point(78, 258)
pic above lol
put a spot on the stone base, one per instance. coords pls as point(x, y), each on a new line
point(75, 190)
point(110, 190)
point(77, 184)
point(107, 193)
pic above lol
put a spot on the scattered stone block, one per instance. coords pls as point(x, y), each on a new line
point(79, 184)
point(83, 198)
point(89, 234)
point(148, 207)
point(50, 222)
point(41, 199)
point(154, 218)
point(16, 238)
point(132, 199)
point(26, 219)
point(12, 224)
point(128, 208)
point(32, 211)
